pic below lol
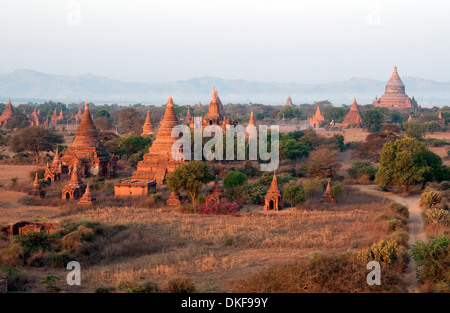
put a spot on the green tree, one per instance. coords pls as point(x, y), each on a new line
point(432, 127)
point(17, 120)
point(289, 112)
point(292, 149)
point(373, 119)
point(235, 185)
point(414, 130)
point(102, 113)
point(360, 169)
point(336, 114)
point(406, 162)
point(134, 144)
point(294, 195)
point(189, 177)
point(35, 139)
point(337, 190)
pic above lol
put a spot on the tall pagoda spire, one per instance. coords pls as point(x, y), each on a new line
point(353, 117)
point(252, 119)
point(159, 160)
point(148, 127)
point(86, 134)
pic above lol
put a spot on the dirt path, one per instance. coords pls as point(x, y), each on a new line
point(416, 226)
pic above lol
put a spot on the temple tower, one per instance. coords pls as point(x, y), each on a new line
point(289, 102)
point(353, 118)
point(87, 151)
point(273, 200)
point(7, 113)
point(147, 129)
point(317, 119)
point(159, 160)
point(395, 96)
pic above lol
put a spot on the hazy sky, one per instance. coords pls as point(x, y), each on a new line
point(284, 41)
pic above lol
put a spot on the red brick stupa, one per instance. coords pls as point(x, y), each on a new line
point(289, 102)
point(353, 118)
point(87, 151)
point(78, 116)
point(188, 117)
point(34, 118)
point(147, 129)
point(88, 199)
point(7, 113)
point(159, 160)
point(215, 114)
point(395, 96)
point(36, 192)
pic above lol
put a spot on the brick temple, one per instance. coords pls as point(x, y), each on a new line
point(353, 118)
point(87, 151)
point(147, 129)
point(158, 162)
point(34, 118)
point(395, 96)
point(7, 113)
point(317, 119)
point(215, 115)
point(273, 199)
point(289, 102)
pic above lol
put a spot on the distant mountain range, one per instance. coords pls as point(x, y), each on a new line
point(27, 85)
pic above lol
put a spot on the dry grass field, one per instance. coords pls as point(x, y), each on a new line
point(214, 251)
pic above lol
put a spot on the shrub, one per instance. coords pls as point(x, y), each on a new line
point(384, 252)
point(312, 187)
point(102, 289)
point(431, 198)
point(49, 282)
point(40, 173)
point(294, 194)
point(337, 190)
point(179, 284)
point(394, 224)
point(60, 260)
point(433, 258)
point(400, 236)
point(72, 241)
point(337, 273)
point(437, 217)
point(136, 287)
point(255, 194)
point(213, 208)
point(360, 169)
point(249, 169)
point(34, 241)
point(13, 254)
point(399, 209)
point(445, 185)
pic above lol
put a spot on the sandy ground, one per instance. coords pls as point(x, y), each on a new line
point(11, 211)
point(20, 171)
point(416, 226)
